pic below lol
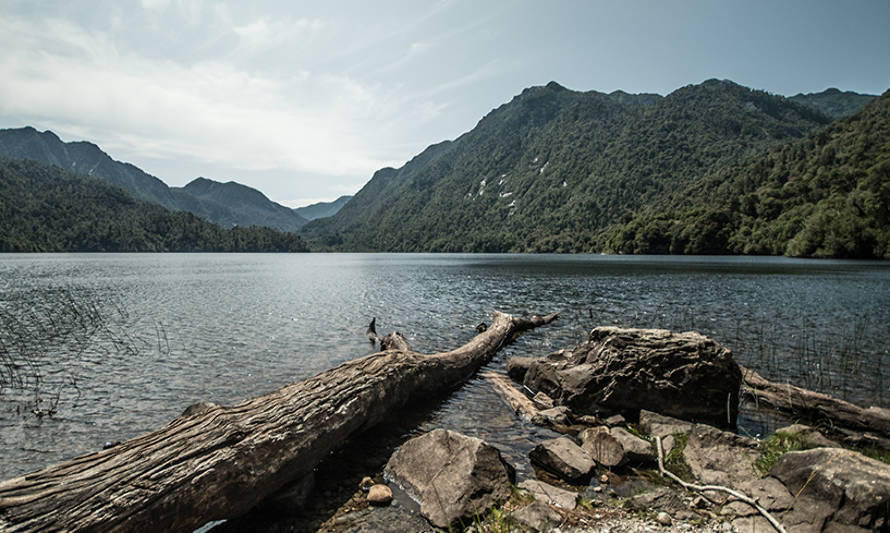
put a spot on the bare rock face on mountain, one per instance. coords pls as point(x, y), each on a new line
point(685, 375)
point(452, 476)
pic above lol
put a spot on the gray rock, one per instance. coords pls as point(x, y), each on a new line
point(686, 375)
point(549, 494)
point(605, 449)
point(837, 489)
point(657, 499)
point(555, 416)
point(720, 457)
point(615, 420)
point(658, 425)
point(664, 519)
point(636, 450)
point(561, 456)
point(379, 495)
point(811, 434)
point(537, 516)
point(454, 477)
point(518, 366)
point(544, 401)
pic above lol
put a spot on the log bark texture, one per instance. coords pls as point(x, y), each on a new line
point(814, 407)
point(217, 462)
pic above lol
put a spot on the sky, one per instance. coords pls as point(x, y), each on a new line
point(305, 100)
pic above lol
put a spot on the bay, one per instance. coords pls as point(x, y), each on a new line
point(163, 331)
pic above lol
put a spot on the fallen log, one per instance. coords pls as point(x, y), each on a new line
point(217, 462)
point(814, 407)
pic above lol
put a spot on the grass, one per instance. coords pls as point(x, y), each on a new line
point(777, 445)
point(674, 460)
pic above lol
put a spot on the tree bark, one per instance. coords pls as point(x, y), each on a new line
point(814, 407)
point(217, 462)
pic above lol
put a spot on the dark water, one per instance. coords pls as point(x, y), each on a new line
point(171, 330)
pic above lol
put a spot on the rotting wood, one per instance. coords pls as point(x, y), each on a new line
point(715, 488)
point(520, 403)
point(217, 462)
point(815, 407)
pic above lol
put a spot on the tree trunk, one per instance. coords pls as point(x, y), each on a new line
point(815, 407)
point(217, 462)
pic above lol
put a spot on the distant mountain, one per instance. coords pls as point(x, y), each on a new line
point(46, 209)
point(833, 102)
point(232, 204)
point(641, 99)
point(228, 204)
point(554, 169)
point(322, 209)
point(827, 195)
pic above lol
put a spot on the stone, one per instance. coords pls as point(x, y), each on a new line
point(544, 401)
point(604, 479)
point(549, 494)
point(555, 416)
point(379, 495)
point(657, 425)
point(615, 420)
point(537, 516)
point(664, 519)
point(659, 498)
point(811, 434)
point(366, 483)
point(454, 477)
point(685, 375)
point(636, 450)
point(836, 489)
point(718, 457)
point(602, 447)
point(562, 457)
point(518, 366)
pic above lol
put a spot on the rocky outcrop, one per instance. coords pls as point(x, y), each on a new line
point(454, 477)
point(537, 516)
point(614, 447)
point(837, 490)
point(547, 493)
point(562, 457)
point(686, 375)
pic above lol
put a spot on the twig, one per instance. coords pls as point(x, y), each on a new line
point(718, 488)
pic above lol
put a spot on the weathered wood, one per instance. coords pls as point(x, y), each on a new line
point(814, 407)
point(217, 462)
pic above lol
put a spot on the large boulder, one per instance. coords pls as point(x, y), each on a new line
point(617, 370)
point(835, 490)
point(561, 456)
point(454, 477)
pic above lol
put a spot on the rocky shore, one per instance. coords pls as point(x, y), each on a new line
point(647, 443)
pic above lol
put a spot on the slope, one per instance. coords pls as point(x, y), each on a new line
point(46, 209)
point(827, 195)
point(833, 102)
point(322, 209)
point(551, 169)
point(233, 204)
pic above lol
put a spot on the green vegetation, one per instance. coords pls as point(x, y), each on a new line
point(46, 209)
point(554, 169)
point(827, 195)
point(777, 445)
point(834, 103)
point(674, 461)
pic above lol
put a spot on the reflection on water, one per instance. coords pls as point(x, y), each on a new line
point(218, 327)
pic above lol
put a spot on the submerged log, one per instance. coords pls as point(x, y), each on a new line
point(815, 407)
point(217, 462)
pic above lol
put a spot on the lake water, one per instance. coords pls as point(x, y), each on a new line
point(163, 331)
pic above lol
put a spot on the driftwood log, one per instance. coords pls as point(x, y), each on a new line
point(816, 407)
point(217, 462)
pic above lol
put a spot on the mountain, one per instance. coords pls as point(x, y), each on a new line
point(46, 209)
point(833, 102)
point(827, 195)
point(233, 204)
point(553, 169)
point(322, 209)
point(228, 204)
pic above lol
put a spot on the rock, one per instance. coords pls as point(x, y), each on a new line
point(561, 456)
point(811, 434)
point(454, 477)
point(700, 502)
point(615, 420)
point(836, 489)
point(379, 495)
point(685, 375)
point(660, 498)
point(605, 449)
point(718, 457)
point(549, 494)
point(544, 401)
point(664, 519)
point(555, 416)
point(518, 366)
point(537, 516)
point(662, 426)
point(604, 479)
point(636, 450)
point(667, 444)
point(589, 420)
point(366, 483)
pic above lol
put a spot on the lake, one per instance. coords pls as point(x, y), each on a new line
point(120, 344)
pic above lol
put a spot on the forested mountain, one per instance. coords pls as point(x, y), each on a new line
point(833, 102)
point(553, 169)
point(46, 209)
point(322, 209)
point(827, 195)
point(228, 204)
point(233, 204)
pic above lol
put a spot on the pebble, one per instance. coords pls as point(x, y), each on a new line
point(664, 519)
point(379, 495)
point(604, 479)
point(366, 483)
